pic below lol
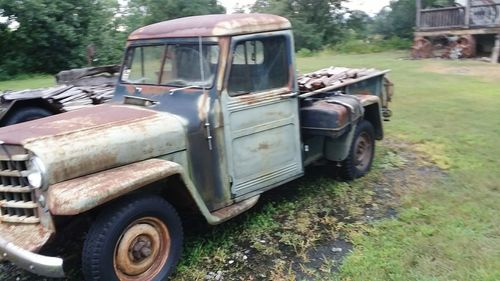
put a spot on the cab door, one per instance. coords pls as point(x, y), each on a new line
point(260, 110)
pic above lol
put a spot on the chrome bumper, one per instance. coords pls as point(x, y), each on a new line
point(38, 264)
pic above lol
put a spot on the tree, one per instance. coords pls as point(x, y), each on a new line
point(144, 12)
point(359, 22)
point(316, 22)
point(53, 34)
point(399, 18)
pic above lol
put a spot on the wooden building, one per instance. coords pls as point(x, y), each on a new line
point(469, 28)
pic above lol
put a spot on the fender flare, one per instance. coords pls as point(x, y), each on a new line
point(373, 113)
point(82, 194)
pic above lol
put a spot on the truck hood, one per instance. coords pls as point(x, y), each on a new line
point(89, 140)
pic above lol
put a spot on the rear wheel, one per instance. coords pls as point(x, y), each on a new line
point(138, 239)
point(361, 153)
point(25, 114)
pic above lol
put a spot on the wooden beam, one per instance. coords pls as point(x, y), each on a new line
point(419, 13)
point(430, 32)
point(467, 13)
point(495, 56)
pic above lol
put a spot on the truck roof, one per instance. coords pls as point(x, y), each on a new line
point(211, 25)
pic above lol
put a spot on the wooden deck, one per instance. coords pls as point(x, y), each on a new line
point(476, 17)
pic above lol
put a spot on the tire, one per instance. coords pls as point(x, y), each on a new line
point(359, 161)
point(25, 114)
point(146, 231)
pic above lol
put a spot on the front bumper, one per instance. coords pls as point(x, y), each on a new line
point(39, 264)
point(19, 244)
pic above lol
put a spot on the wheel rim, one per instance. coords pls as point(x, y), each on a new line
point(142, 250)
point(363, 151)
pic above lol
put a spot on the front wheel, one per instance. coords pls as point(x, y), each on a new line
point(361, 153)
point(136, 239)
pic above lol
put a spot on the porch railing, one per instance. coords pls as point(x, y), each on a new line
point(473, 16)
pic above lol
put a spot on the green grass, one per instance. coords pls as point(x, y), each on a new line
point(446, 111)
point(28, 82)
point(450, 230)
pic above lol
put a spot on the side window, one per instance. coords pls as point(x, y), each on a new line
point(249, 52)
point(258, 65)
point(145, 64)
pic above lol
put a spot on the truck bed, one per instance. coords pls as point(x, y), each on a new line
point(333, 98)
point(338, 79)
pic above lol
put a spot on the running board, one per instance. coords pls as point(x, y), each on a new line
point(232, 211)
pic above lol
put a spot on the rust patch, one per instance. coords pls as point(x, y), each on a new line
point(224, 45)
point(363, 92)
point(203, 106)
point(154, 89)
point(342, 111)
point(291, 77)
point(253, 98)
point(28, 237)
point(278, 115)
point(367, 99)
point(73, 121)
point(264, 146)
point(236, 209)
point(249, 99)
point(84, 193)
point(73, 153)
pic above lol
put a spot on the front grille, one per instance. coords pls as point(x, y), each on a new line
point(17, 198)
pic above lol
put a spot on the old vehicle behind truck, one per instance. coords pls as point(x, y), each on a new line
point(207, 115)
point(76, 88)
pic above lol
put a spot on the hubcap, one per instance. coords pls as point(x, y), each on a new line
point(142, 250)
point(363, 151)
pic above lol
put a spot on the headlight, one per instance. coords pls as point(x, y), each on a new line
point(36, 176)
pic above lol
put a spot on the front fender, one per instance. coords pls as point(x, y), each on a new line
point(85, 193)
point(81, 194)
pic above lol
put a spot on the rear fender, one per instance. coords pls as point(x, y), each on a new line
point(373, 113)
point(337, 149)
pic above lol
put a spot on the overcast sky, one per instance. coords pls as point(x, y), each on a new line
point(370, 6)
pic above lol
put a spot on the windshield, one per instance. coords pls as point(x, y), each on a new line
point(171, 64)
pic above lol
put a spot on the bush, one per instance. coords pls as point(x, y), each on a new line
point(396, 43)
point(374, 45)
point(304, 52)
point(356, 46)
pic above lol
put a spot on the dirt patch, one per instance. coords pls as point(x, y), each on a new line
point(489, 72)
point(311, 241)
point(301, 231)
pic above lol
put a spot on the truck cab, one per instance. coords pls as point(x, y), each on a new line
point(235, 92)
point(206, 116)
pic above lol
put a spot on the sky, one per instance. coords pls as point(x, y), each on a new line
point(369, 6)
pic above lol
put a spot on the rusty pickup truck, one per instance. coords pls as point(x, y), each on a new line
point(208, 114)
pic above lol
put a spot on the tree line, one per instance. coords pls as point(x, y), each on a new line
point(46, 36)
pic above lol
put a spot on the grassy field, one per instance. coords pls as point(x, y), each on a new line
point(29, 82)
point(450, 230)
point(445, 112)
point(428, 211)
